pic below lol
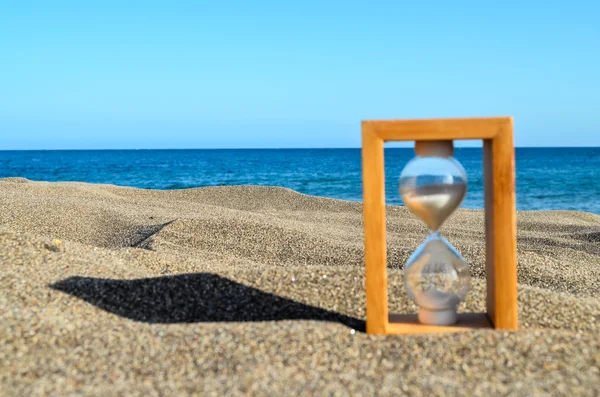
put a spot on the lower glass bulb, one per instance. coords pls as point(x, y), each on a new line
point(437, 279)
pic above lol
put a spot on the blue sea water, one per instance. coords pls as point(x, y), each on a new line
point(547, 178)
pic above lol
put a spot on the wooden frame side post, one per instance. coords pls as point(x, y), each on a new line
point(501, 228)
point(374, 229)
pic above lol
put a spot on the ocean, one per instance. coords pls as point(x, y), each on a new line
point(547, 178)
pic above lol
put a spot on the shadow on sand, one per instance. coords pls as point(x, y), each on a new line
point(190, 298)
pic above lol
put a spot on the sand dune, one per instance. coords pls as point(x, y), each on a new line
point(259, 290)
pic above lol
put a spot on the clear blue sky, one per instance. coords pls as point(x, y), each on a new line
point(206, 74)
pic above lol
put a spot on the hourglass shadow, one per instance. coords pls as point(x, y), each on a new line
point(191, 298)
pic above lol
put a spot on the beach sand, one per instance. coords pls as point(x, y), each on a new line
point(259, 291)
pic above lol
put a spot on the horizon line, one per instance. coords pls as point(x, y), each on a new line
point(274, 148)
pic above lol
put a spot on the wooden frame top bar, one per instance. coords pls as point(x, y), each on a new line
point(436, 129)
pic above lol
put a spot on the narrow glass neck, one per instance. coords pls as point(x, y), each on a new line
point(434, 233)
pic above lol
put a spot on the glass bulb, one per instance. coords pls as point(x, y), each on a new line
point(432, 186)
point(437, 279)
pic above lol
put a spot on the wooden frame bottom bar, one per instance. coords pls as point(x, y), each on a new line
point(409, 324)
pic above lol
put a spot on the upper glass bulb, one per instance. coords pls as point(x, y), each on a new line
point(433, 184)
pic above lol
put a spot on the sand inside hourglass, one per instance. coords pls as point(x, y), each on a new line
point(433, 203)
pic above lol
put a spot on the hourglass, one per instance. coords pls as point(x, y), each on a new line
point(432, 186)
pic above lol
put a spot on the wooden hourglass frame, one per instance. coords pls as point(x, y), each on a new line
point(500, 220)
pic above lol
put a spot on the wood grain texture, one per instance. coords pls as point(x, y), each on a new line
point(409, 324)
point(501, 225)
point(374, 224)
point(437, 129)
point(500, 219)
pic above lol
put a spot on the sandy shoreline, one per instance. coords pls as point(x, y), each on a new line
point(257, 290)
